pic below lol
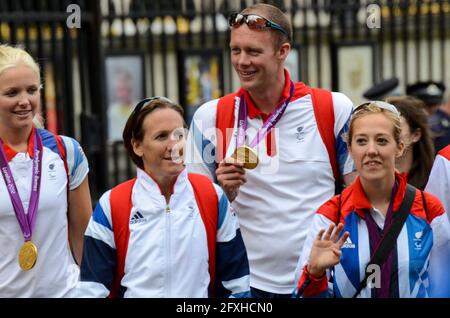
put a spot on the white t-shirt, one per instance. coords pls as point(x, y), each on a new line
point(55, 272)
point(277, 204)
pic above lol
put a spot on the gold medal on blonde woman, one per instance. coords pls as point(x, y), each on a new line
point(27, 255)
point(247, 156)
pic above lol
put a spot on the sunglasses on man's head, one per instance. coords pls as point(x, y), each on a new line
point(383, 105)
point(254, 22)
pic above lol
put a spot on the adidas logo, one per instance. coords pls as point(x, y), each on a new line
point(348, 243)
point(137, 218)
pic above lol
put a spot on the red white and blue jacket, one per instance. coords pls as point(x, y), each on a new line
point(167, 252)
point(422, 249)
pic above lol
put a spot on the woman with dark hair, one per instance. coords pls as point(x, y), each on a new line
point(418, 156)
point(165, 233)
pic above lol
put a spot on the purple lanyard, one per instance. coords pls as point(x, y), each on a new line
point(375, 238)
point(268, 125)
point(26, 221)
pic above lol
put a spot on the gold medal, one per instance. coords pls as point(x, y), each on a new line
point(247, 156)
point(28, 255)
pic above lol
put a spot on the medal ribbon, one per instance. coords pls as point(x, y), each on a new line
point(26, 221)
point(268, 125)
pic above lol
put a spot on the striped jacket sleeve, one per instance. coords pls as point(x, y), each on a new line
point(232, 273)
point(76, 162)
point(99, 254)
point(343, 107)
point(200, 154)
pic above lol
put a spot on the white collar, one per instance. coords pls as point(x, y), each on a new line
point(378, 217)
point(152, 186)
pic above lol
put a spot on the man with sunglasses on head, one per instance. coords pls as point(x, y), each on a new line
point(275, 147)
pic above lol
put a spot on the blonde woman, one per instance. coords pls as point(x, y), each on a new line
point(44, 190)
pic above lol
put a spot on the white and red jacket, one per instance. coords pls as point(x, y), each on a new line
point(167, 253)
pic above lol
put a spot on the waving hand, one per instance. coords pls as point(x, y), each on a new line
point(326, 250)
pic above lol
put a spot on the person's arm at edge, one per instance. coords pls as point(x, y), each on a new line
point(79, 212)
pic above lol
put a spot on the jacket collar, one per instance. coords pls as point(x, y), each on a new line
point(362, 204)
point(254, 111)
point(151, 185)
point(11, 153)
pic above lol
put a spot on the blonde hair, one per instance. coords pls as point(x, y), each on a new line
point(371, 108)
point(14, 56)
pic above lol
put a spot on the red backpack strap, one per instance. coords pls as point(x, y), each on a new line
point(224, 120)
point(120, 202)
point(62, 153)
point(322, 101)
point(208, 203)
